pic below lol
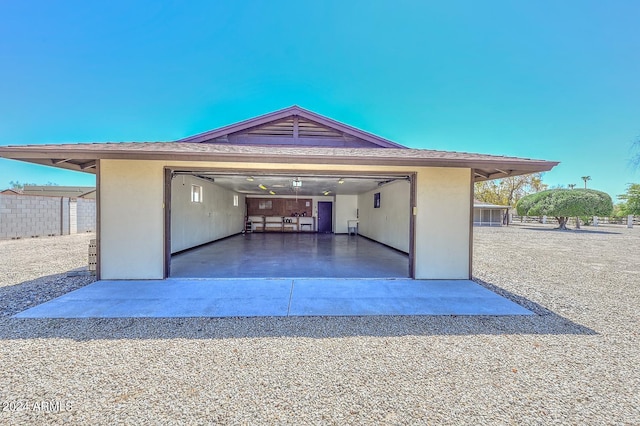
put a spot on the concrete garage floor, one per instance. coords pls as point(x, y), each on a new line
point(280, 255)
point(275, 297)
point(244, 276)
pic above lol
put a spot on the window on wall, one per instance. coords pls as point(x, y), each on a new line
point(236, 201)
point(196, 194)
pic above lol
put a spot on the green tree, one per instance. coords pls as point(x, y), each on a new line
point(565, 203)
point(631, 200)
point(585, 179)
point(619, 210)
point(17, 185)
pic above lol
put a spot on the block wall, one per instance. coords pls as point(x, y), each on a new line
point(24, 216)
point(86, 215)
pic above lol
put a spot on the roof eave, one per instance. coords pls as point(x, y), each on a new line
point(507, 167)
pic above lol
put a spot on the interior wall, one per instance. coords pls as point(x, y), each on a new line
point(443, 225)
point(314, 202)
point(131, 219)
point(388, 224)
point(345, 209)
point(214, 218)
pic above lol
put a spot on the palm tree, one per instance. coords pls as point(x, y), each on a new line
point(585, 179)
point(571, 185)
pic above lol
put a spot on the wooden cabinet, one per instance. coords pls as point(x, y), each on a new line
point(284, 207)
point(282, 224)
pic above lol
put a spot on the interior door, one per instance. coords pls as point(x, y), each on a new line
point(325, 217)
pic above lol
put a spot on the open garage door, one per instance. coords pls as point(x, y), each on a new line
point(223, 224)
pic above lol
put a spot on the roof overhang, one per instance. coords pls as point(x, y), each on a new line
point(84, 157)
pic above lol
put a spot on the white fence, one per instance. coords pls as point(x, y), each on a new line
point(572, 220)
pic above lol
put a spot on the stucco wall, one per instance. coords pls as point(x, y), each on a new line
point(388, 224)
point(131, 219)
point(346, 207)
point(443, 223)
point(215, 217)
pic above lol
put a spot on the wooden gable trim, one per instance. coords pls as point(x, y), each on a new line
point(286, 113)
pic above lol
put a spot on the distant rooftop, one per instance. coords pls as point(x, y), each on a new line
point(57, 190)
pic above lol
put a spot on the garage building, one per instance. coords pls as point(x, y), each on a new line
point(290, 187)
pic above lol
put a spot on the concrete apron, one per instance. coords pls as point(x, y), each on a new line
point(275, 297)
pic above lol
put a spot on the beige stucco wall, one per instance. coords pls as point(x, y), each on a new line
point(346, 207)
point(388, 224)
point(443, 200)
point(132, 215)
point(131, 219)
point(215, 217)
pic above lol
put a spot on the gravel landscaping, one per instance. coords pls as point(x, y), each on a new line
point(575, 362)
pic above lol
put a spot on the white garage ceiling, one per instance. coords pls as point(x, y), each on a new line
point(311, 185)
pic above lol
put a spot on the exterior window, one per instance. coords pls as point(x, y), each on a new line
point(236, 201)
point(196, 194)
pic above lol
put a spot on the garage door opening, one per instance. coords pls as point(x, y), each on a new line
point(242, 224)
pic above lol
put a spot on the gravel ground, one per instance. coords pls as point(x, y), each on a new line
point(575, 362)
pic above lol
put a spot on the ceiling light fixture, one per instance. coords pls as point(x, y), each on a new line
point(341, 181)
point(327, 192)
point(250, 178)
point(296, 184)
point(261, 186)
point(272, 192)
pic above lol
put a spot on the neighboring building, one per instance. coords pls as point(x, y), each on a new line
point(60, 191)
point(11, 192)
point(157, 198)
point(486, 214)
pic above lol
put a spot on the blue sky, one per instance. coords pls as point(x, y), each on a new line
point(555, 80)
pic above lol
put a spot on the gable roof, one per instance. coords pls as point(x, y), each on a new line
point(284, 137)
point(293, 125)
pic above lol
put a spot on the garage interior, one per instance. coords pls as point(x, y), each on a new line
point(244, 224)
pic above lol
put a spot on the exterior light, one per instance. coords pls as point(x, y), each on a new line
point(341, 181)
point(272, 192)
point(250, 178)
point(297, 183)
point(261, 186)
